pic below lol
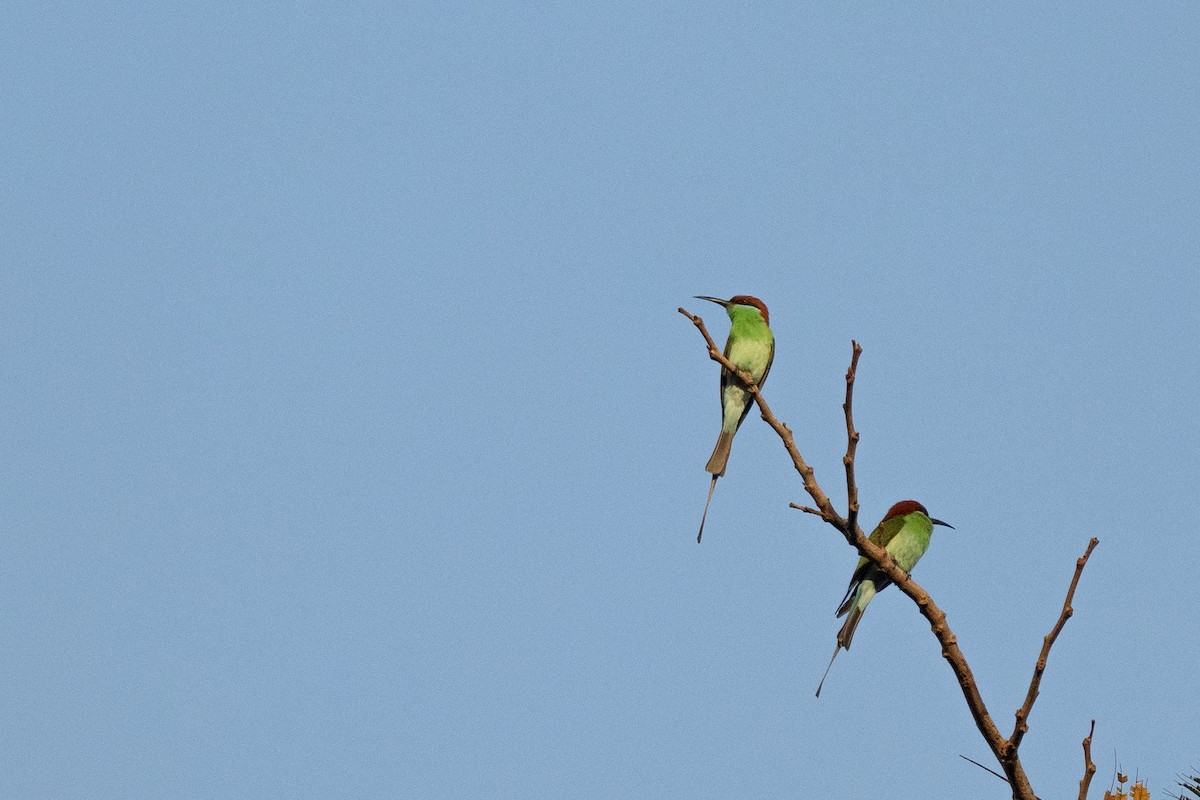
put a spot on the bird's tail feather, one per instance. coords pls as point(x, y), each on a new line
point(720, 454)
point(826, 675)
point(844, 637)
point(846, 634)
point(848, 600)
point(712, 485)
point(857, 596)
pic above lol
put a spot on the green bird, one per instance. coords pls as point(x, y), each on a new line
point(750, 347)
point(904, 533)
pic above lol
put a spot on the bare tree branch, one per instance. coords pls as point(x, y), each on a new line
point(1005, 750)
point(785, 433)
point(989, 769)
point(851, 439)
point(1000, 746)
point(856, 537)
point(1022, 725)
point(1089, 769)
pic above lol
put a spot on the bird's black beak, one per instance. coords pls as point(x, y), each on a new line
point(716, 300)
point(939, 522)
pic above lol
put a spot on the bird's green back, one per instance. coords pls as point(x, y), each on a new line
point(918, 528)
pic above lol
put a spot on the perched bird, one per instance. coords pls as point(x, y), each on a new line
point(904, 533)
point(750, 347)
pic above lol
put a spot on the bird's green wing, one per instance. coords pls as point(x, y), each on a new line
point(726, 375)
point(882, 536)
point(770, 361)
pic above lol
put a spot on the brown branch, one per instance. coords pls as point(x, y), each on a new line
point(1022, 724)
point(999, 746)
point(807, 509)
point(1005, 750)
point(785, 433)
point(856, 537)
point(851, 439)
point(934, 615)
point(1089, 769)
point(989, 769)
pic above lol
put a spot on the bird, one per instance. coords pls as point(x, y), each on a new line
point(904, 533)
point(751, 348)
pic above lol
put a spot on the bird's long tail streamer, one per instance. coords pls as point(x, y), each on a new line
point(711, 486)
point(826, 675)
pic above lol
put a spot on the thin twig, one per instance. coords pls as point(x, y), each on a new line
point(989, 769)
point(1022, 724)
point(981, 766)
point(1089, 769)
point(851, 439)
point(807, 509)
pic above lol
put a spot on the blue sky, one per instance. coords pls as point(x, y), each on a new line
point(354, 447)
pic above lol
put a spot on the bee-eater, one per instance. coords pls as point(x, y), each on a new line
point(750, 347)
point(904, 533)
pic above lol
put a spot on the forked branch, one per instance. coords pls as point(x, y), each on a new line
point(1005, 750)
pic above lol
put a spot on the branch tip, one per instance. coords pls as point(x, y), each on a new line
point(785, 433)
point(1039, 668)
point(1089, 768)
